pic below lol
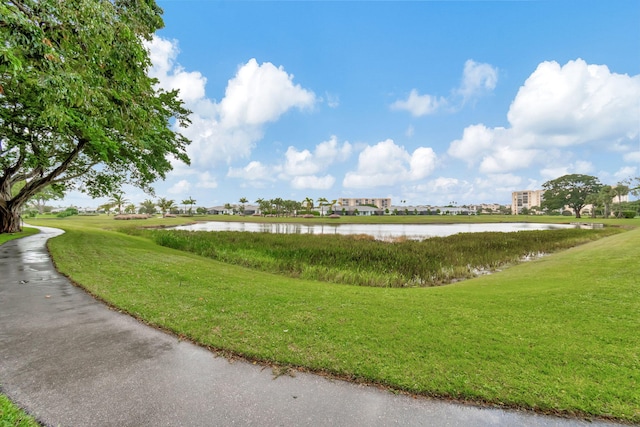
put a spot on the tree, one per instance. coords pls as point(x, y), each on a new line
point(118, 200)
point(264, 206)
point(634, 185)
point(148, 207)
point(50, 192)
point(619, 191)
point(77, 108)
point(322, 202)
point(569, 190)
point(106, 207)
point(165, 205)
point(190, 201)
point(332, 203)
point(130, 208)
point(291, 207)
point(242, 201)
point(277, 203)
point(308, 204)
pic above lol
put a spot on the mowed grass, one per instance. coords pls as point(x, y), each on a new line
point(12, 416)
point(26, 231)
point(559, 334)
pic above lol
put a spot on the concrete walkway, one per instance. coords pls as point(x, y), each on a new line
point(71, 361)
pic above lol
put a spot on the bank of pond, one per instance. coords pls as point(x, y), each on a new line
point(360, 259)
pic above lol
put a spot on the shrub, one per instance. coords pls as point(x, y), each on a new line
point(626, 214)
point(67, 212)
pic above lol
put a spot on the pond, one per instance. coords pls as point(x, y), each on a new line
point(378, 231)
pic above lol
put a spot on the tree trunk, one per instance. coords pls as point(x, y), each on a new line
point(10, 219)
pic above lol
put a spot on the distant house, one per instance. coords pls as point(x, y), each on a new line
point(250, 210)
point(220, 210)
point(359, 211)
point(233, 210)
point(432, 210)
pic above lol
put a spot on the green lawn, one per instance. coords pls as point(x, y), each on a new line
point(12, 416)
point(26, 231)
point(556, 335)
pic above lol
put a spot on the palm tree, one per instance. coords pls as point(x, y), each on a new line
point(308, 203)
point(264, 206)
point(190, 201)
point(619, 191)
point(332, 203)
point(242, 201)
point(322, 202)
point(118, 200)
point(230, 208)
point(291, 207)
point(130, 208)
point(165, 205)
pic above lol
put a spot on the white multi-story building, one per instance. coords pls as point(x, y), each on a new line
point(525, 199)
point(380, 203)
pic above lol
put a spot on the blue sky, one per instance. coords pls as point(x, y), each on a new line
point(424, 101)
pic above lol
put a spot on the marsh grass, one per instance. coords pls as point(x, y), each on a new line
point(362, 260)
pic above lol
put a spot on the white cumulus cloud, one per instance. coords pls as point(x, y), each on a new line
point(206, 180)
point(307, 163)
point(575, 104)
point(302, 169)
point(163, 54)
point(419, 105)
point(228, 130)
point(626, 172)
point(387, 163)
point(261, 93)
point(313, 182)
point(477, 78)
point(558, 107)
point(180, 188)
point(254, 171)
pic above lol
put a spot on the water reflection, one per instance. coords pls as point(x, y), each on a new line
point(378, 231)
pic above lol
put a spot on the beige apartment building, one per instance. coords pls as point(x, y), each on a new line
point(525, 199)
point(354, 202)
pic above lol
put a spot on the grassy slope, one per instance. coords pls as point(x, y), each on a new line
point(558, 334)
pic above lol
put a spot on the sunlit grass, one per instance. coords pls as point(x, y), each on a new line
point(557, 334)
point(12, 416)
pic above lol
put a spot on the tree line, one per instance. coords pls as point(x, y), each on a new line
point(576, 191)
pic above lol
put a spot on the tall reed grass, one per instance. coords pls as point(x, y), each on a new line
point(358, 260)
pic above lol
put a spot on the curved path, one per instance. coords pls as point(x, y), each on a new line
point(71, 361)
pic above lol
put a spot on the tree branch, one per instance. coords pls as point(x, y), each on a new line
point(36, 185)
point(76, 175)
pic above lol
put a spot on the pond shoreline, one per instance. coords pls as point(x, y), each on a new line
point(378, 231)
